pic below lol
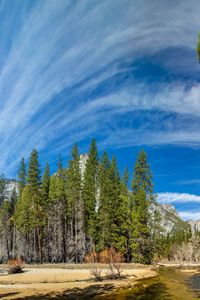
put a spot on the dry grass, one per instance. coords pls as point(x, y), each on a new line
point(40, 280)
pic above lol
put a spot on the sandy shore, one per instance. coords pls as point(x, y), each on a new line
point(177, 264)
point(65, 281)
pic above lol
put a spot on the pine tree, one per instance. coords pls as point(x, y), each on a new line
point(24, 216)
point(57, 245)
point(157, 233)
point(75, 209)
point(125, 180)
point(45, 184)
point(66, 215)
point(21, 176)
point(13, 201)
point(39, 219)
point(126, 217)
point(89, 194)
point(12, 208)
point(143, 197)
point(7, 225)
point(103, 218)
point(57, 183)
point(60, 165)
point(33, 178)
point(115, 207)
point(6, 228)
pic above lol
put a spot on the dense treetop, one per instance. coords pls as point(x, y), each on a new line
point(64, 216)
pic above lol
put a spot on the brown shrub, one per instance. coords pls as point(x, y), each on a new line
point(92, 257)
point(96, 268)
point(114, 260)
point(15, 266)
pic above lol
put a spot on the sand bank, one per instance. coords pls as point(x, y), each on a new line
point(66, 281)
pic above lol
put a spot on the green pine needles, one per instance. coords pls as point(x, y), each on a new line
point(82, 208)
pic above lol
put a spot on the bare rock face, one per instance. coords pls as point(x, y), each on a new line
point(171, 209)
point(188, 251)
point(9, 187)
point(170, 219)
point(195, 226)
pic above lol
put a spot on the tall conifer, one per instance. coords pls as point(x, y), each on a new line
point(126, 222)
point(142, 187)
point(45, 184)
point(75, 208)
point(34, 182)
point(103, 228)
point(57, 240)
point(90, 194)
point(33, 178)
point(21, 176)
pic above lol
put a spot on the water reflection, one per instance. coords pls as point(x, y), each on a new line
point(171, 284)
point(194, 283)
point(153, 291)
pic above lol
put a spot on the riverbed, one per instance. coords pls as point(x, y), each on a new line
point(67, 281)
point(170, 284)
point(74, 282)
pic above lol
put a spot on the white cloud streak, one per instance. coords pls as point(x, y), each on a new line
point(189, 182)
point(182, 200)
point(56, 45)
point(166, 198)
point(189, 215)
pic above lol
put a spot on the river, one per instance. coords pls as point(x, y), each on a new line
point(171, 284)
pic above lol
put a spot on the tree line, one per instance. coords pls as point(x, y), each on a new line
point(64, 216)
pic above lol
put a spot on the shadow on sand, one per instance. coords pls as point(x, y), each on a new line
point(155, 291)
point(6, 295)
point(72, 294)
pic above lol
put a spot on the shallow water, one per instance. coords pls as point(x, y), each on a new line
point(171, 284)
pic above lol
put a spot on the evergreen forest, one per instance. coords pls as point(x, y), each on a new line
point(64, 216)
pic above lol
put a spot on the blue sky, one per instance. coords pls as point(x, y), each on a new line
point(122, 71)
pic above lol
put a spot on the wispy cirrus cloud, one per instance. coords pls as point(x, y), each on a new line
point(68, 70)
point(177, 198)
point(189, 182)
point(189, 215)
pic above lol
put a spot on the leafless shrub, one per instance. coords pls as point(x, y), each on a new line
point(96, 267)
point(96, 271)
point(114, 260)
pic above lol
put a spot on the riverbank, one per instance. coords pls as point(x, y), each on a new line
point(67, 281)
point(179, 264)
